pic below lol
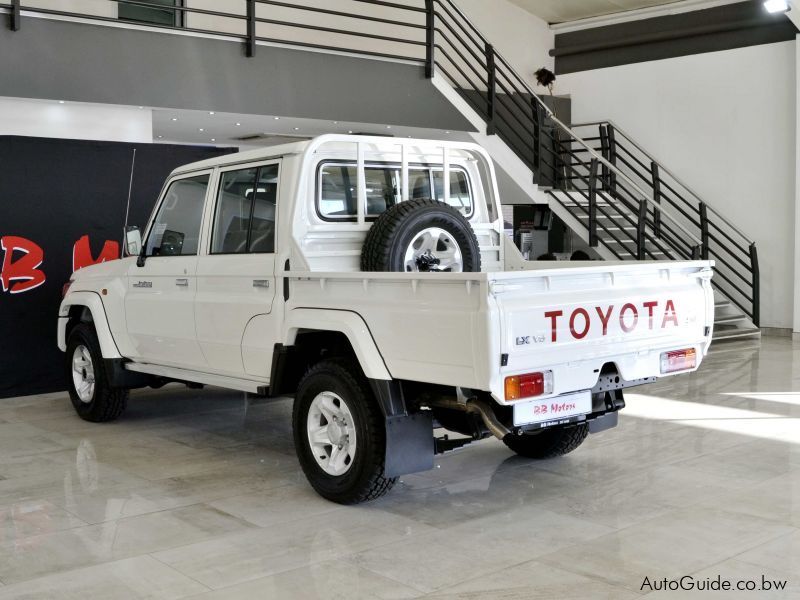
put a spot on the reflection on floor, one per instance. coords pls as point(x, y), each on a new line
point(199, 495)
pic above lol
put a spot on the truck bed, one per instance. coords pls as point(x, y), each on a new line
point(473, 329)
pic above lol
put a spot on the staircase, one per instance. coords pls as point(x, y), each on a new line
point(621, 200)
point(595, 177)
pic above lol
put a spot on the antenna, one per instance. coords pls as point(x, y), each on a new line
point(128, 208)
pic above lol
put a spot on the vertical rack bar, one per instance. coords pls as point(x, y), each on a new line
point(446, 174)
point(250, 43)
point(612, 158)
point(593, 241)
point(362, 185)
point(430, 39)
point(491, 86)
point(604, 150)
point(756, 285)
point(404, 175)
point(537, 142)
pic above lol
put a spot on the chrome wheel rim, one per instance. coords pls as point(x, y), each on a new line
point(434, 250)
point(83, 374)
point(331, 433)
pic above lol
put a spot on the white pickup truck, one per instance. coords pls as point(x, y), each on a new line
point(371, 279)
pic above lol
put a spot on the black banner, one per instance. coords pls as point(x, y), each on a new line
point(62, 206)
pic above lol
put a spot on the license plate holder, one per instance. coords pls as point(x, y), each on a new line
point(556, 410)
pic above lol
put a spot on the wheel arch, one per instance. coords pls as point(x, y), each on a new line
point(310, 335)
point(86, 307)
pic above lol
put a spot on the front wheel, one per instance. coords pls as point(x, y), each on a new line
point(92, 396)
point(548, 443)
point(339, 434)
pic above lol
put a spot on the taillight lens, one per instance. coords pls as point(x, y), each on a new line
point(678, 360)
point(65, 289)
point(529, 385)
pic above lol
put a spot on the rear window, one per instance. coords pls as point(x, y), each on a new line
point(338, 189)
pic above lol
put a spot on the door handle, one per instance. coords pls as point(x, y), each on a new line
point(261, 283)
point(182, 282)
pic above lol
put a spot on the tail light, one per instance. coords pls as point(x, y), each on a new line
point(529, 385)
point(65, 289)
point(678, 360)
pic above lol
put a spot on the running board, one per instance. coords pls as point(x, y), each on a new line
point(176, 374)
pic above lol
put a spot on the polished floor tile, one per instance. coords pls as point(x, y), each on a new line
point(198, 494)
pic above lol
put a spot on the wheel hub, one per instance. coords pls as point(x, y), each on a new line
point(434, 250)
point(83, 374)
point(331, 433)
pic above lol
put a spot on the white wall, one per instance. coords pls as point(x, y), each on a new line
point(724, 122)
point(48, 118)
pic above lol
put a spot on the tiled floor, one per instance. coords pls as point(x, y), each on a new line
point(198, 495)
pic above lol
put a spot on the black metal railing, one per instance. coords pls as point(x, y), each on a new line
point(627, 201)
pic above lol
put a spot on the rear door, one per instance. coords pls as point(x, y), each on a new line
point(236, 277)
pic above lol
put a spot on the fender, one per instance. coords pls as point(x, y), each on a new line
point(350, 324)
point(92, 301)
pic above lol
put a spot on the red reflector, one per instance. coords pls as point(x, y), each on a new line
point(65, 289)
point(678, 360)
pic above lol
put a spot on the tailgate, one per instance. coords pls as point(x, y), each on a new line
point(575, 320)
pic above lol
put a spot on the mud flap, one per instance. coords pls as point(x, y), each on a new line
point(409, 444)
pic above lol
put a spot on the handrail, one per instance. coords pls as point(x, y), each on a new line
point(654, 203)
point(665, 170)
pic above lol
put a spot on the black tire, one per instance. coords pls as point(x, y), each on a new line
point(548, 443)
point(365, 479)
point(107, 403)
point(389, 237)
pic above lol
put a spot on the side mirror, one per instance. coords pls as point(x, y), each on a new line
point(133, 241)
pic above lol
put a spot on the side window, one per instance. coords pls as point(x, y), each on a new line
point(234, 205)
point(176, 229)
point(245, 214)
point(338, 191)
point(460, 197)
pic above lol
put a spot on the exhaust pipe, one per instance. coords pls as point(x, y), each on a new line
point(478, 407)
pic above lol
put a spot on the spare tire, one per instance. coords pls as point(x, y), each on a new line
point(421, 236)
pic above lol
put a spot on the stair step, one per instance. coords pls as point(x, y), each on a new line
point(736, 333)
point(722, 304)
point(729, 319)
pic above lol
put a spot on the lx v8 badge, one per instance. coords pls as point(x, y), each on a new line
point(527, 340)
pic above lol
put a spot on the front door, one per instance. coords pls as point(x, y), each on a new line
point(236, 278)
point(159, 304)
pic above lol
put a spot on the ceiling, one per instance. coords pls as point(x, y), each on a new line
point(560, 11)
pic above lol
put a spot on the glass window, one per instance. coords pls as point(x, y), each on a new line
point(338, 189)
point(460, 197)
point(176, 229)
point(234, 205)
point(245, 218)
point(262, 234)
point(150, 14)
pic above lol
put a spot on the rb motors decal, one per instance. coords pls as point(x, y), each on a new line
point(23, 261)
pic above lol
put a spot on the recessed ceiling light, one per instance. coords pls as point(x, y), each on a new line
point(161, 137)
point(447, 132)
point(238, 124)
point(350, 131)
point(336, 122)
point(61, 102)
point(776, 6)
point(297, 129)
point(201, 129)
point(388, 127)
point(174, 118)
point(213, 139)
point(277, 118)
point(141, 107)
point(212, 112)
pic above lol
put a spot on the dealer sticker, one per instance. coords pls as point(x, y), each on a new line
point(555, 410)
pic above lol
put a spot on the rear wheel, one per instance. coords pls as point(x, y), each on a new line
point(339, 434)
point(92, 396)
point(548, 443)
